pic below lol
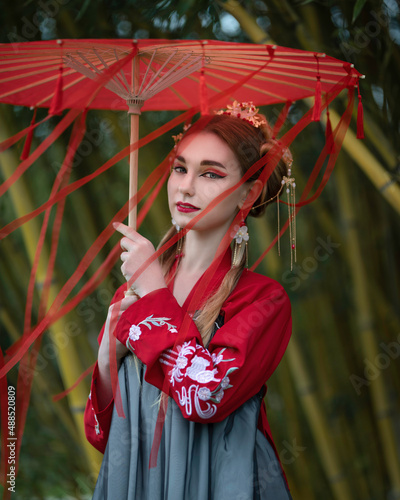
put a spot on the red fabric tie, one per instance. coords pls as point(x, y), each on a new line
point(56, 103)
point(360, 115)
point(330, 142)
point(28, 142)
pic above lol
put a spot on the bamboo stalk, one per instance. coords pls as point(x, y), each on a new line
point(300, 476)
point(258, 35)
point(317, 421)
point(367, 338)
point(362, 156)
point(350, 440)
point(377, 174)
point(41, 382)
point(69, 364)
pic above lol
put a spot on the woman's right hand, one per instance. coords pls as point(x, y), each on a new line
point(104, 386)
point(121, 350)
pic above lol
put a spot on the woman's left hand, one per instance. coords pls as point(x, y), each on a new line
point(137, 250)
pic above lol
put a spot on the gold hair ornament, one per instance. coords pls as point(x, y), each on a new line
point(245, 111)
point(290, 184)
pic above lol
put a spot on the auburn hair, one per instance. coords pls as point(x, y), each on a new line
point(249, 144)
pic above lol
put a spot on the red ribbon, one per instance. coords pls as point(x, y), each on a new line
point(56, 103)
point(360, 115)
point(28, 141)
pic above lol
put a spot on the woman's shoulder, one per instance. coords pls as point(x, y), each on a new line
point(250, 279)
point(253, 287)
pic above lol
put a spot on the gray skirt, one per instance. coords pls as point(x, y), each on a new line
point(228, 460)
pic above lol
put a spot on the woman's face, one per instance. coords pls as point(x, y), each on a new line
point(204, 167)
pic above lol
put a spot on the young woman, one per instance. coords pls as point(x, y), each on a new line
point(202, 329)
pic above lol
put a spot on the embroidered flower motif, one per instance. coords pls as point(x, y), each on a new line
point(225, 383)
point(219, 396)
point(135, 331)
point(216, 359)
point(240, 234)
point(181, 361)
point(97, 425)
point(204, 393)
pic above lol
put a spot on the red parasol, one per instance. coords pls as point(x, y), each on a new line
point(163, 75)
point(140, 75)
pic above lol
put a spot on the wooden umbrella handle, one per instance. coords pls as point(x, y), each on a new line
point(133, 171)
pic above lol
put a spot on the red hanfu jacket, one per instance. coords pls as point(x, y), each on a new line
point(206, 383)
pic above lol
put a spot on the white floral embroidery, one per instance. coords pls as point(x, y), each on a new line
point(201, 372)
point(219, 395)
point(198, 371)
point(97, 426)
point(135, 330)
point(225, 383)
point(178, 363)
point(204, 393)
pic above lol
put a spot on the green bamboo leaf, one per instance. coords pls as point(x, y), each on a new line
point(357, 9)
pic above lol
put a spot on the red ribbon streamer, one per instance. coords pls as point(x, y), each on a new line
point(29, 137)
point(360, 115)
point(56, 103)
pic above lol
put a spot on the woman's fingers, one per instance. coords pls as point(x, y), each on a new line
point(126, 230)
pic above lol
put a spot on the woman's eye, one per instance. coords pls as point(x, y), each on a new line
point(213, 175)
point(179, 169)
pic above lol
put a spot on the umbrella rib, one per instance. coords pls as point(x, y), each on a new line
point(82, 69)
point(158, 72)
point(110, 84)
point(230, 64)
point(280, 73)
point(93, 66)
point(30, 85)
point(170, 77)
point(80, 77)
point(181, 97)
point(246, 85)
point(266, 79)
point(147, 70)
point(122, 72)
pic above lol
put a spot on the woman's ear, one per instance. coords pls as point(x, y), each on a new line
point(251, 195)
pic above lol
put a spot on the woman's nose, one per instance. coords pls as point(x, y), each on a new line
point(186, 185)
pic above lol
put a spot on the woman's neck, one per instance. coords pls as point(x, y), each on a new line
point(199, 250)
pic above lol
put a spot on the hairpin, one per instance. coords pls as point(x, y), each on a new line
point(245, 111)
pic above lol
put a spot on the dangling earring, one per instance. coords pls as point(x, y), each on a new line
point(290, 184)
point(179, 244)
point(241, 237)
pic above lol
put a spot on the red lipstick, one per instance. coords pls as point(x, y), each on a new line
point(186, 207)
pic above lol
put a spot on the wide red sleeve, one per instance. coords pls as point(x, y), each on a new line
point(209, 384)
point(97, 422)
